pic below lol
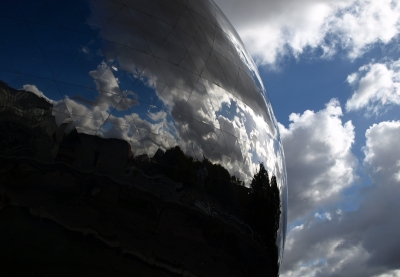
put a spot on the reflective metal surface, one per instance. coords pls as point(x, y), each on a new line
point(137, 138)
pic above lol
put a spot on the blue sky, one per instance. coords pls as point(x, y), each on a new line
point(332, 71)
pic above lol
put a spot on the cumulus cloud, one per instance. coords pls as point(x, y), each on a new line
point(377, 85)
point(271, 29)
point(319, 160)
point(356, 243)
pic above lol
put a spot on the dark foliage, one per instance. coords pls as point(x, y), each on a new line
point(258, 205)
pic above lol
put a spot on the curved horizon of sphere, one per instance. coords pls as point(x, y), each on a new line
point(159, 75)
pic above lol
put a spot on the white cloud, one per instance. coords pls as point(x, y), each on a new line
point(271, 29)
point(318, 158)
point(382, 151)
point(366, 23)
point(35, 90)
point(356, 243)
point(323, 216)
point(376, 86)
point(393, 273)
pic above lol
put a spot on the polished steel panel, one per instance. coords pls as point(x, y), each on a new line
point(138, 137)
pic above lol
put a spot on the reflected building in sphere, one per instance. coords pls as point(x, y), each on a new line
point(137, 140)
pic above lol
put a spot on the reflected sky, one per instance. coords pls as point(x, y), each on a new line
point(154, 73)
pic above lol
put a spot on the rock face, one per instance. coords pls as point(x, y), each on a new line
point(132, 133)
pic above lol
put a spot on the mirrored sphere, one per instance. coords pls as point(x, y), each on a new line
point(137, 139)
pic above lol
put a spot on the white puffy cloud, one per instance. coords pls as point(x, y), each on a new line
point(271, 29)
point(363, 242)
point(366, 23)
point(319, 161)
point(376, 85)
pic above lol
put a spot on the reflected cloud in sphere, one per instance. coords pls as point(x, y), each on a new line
point(138, 92)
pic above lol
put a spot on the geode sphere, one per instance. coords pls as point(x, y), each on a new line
point(137, 139)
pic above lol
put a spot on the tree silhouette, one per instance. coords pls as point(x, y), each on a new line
point(275, 206)
point(260, 182)
point(264, 205)
point(264, 210)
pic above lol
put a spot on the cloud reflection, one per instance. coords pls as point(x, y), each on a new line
point(165, 78)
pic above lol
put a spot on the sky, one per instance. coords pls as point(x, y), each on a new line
point(332, 72)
